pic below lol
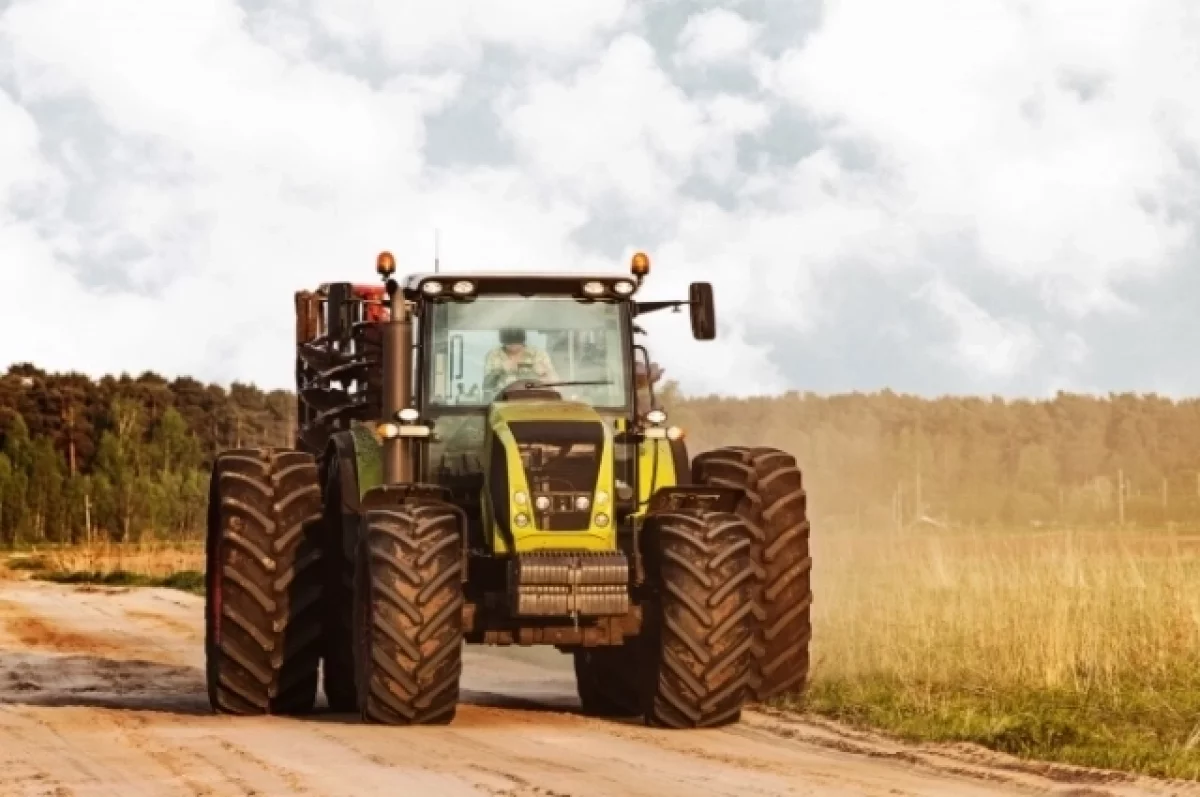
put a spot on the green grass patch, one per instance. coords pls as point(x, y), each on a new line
point(26, 563)
point(1148, 728)
point(185, 580)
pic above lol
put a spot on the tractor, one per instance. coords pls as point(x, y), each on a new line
point(481, 459)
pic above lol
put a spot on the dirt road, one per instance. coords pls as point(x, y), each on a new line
point(101, 693)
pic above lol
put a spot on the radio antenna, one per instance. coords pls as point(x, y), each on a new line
point(437, 246)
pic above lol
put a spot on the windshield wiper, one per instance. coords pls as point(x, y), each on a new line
point(532, 385)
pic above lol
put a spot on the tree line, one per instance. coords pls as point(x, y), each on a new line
point(885, 459)
point(120, 458)
point(127, 458)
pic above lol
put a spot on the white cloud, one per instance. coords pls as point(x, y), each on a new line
point(410, 32)
point(171, 173)
point(197, 80)
point(21, 163)
point(619, 128)
point(985, 346)
point(1041, 133)
point(716, 36)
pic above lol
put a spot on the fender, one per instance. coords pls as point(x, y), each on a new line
point(661, 464)
point(359, 455)
point(368, 458)
point(706, 498)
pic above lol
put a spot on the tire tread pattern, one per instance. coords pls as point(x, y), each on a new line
point(778, 504)
point(264, 591)
point(408, 603)
point(699, 641)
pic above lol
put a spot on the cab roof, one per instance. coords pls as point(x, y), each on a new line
point(519, 283)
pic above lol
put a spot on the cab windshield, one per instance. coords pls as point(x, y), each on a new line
point(481, 347)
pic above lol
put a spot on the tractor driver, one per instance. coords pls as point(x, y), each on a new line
point(513, 360)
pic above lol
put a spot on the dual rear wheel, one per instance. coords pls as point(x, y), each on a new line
point(776, 505)
point(692, 666)
point(280, 597)
point(264, 583)
point(771, 546)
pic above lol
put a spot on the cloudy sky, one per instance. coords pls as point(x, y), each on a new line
point(998, 196)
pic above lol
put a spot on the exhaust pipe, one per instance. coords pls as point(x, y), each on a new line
point(398, 461)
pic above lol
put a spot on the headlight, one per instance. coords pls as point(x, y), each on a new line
point(542, 503)
point(522, 520)
point(520, 498)
point(656, 417)
point(408, 415)
point(432, 288)
point(601, 497)
point(463, 287)
point(388, 430)
point(593, 288)
point(623, 288)
point(601, 520)
point(582, 503)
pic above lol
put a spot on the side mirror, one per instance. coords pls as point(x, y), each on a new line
point(704, 315)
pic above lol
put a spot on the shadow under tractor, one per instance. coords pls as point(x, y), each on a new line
point(480, 458)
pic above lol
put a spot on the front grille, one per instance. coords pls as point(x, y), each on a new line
point(573, 520)
point(562, 463)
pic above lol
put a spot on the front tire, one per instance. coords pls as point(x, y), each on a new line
point(699, 635)
point(263, 584)
point(408, 602)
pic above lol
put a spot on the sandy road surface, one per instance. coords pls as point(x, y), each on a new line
point(101, 692)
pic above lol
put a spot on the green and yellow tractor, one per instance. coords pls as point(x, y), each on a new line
point(480, 459)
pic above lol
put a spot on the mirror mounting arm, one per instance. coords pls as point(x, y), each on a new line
point(649, 307)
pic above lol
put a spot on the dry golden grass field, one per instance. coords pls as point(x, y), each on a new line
point(1072, 646)
point(173, 564)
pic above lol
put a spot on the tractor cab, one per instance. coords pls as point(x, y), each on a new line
point(541, 368)
point(478, 348)
point(528, 385)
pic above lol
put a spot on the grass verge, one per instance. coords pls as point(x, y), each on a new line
point(1140, 731)
point(186, 580)
point(1067, 647)
point(173, 565)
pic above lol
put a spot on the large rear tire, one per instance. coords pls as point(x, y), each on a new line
point(698, 640)
point(263, 585)
point(341, 690)
point(778, 505)
point(408, 603)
